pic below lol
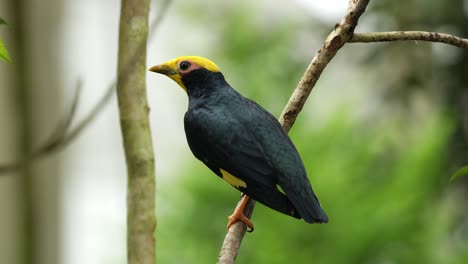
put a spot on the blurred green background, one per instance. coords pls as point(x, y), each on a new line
point(382, 132)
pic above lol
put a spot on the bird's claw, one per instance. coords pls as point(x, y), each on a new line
point(239, 216)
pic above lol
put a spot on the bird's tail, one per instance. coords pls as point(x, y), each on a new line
point(309, 207)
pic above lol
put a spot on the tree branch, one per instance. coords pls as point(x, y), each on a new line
point(342, 34)
point(234, 236)
point(410, 35)
point(136, 132)
point(335, 40)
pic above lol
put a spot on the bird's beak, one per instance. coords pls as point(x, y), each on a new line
point(163, 69)
point(170, 70)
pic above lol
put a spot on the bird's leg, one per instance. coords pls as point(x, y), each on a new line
point(239, 215)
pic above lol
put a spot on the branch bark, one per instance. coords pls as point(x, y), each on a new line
point(410, 35)
point(22, 97)
point(134, 121)
point(234, 236)
point(342, 33)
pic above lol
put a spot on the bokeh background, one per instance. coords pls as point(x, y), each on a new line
point(381, 134)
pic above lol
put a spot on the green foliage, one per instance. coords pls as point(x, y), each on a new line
point(3, 51)
point(265, 55)
point(462, 171)
point(385, 199)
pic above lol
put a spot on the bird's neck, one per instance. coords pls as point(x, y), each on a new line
point(205, 85)
point(208, 96)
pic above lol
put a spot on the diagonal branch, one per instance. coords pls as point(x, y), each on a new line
point(57, 138)
point(342, 34)
point(410, 35)
point(336, 39)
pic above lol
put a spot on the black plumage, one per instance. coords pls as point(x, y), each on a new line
point(229, 132)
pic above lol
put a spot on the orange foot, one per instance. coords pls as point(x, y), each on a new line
point(238, 215)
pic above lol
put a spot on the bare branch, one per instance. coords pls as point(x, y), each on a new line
point(56, 139)
point(59, 134)
point(335, 40)
point(62, 135)
point(233, 239)
point(136, 132)
point(410, 35)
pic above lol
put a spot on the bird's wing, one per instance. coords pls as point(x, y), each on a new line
point(222, 142)
point(282, 153)
point(229, 148)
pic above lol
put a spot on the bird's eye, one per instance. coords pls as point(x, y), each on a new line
point(184, 65)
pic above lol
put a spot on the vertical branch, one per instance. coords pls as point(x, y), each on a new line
point(24, 128)
point(133, 107)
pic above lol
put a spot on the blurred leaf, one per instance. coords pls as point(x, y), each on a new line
point(3, 21)
point(460, 172)
point(4, 53)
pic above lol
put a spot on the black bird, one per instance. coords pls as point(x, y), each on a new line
point(241, 142)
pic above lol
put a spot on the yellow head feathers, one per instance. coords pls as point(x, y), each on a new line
point(175, 68)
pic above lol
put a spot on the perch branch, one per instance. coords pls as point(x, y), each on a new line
point(410, 35)
point(342, 34)
point(335, 40)
point(234, 236)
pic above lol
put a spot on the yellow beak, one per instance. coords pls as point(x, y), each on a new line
point(163, 69)
point(169, 69)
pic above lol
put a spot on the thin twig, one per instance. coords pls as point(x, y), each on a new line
point(56, 138)
point(335, 40)
point(410, 35)
point(58, 135)
point(63, 135)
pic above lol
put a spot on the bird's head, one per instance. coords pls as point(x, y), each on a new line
point(183, 70)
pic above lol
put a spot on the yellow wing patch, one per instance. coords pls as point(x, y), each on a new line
point(233, 180)
point(280, 189)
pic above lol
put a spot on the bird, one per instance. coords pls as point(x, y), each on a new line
point(242, 143)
